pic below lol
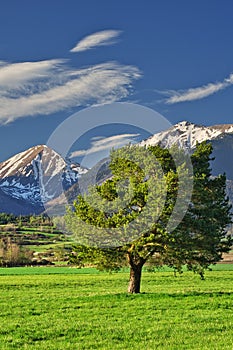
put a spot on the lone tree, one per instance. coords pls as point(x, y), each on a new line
point(127, 220)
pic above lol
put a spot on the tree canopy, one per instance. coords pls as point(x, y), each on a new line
point(153, 208)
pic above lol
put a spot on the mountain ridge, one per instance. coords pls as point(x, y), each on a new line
point(37, 176)
point(186, 134)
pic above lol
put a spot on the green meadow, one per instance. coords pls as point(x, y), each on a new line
point(68, 308)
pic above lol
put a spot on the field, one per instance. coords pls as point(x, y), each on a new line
point(45, 242)
point(67, 308)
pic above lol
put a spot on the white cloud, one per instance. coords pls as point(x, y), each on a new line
point(103, 38)
point(100, 143)
point(197, 93)
point(46, 87)
point(16, 74)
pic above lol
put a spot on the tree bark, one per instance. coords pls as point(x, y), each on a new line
point(135, 278)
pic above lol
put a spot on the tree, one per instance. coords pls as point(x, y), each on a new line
point(127, 219)
point(11, 254)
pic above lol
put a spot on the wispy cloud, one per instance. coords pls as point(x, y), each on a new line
point(50, 86)
point(100, 143)
point(197, 93)
point(17, 74)
point(103, 38)
point(45, 87)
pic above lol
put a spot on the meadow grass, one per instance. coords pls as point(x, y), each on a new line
point(41, 247)
point(67, 308)
point(48, 270)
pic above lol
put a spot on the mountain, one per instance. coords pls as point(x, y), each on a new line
point(186, 135)
point(39, 177)
point(33, 177)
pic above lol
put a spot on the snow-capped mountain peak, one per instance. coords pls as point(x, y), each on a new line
point(18, 165)
point(37, 175)
point(186, 135)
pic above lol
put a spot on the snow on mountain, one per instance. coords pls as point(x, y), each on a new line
point(37, 175)
point(185, 135)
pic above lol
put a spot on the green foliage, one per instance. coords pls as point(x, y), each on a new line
point(32, 220)
point(7, 218)
point(107, 259)
point(201, 237)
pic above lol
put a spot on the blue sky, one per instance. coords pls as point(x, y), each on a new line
point(175, 57)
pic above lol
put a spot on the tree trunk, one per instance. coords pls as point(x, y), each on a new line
point(135, 278)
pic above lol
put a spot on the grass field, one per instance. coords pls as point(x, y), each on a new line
point(67, 308)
